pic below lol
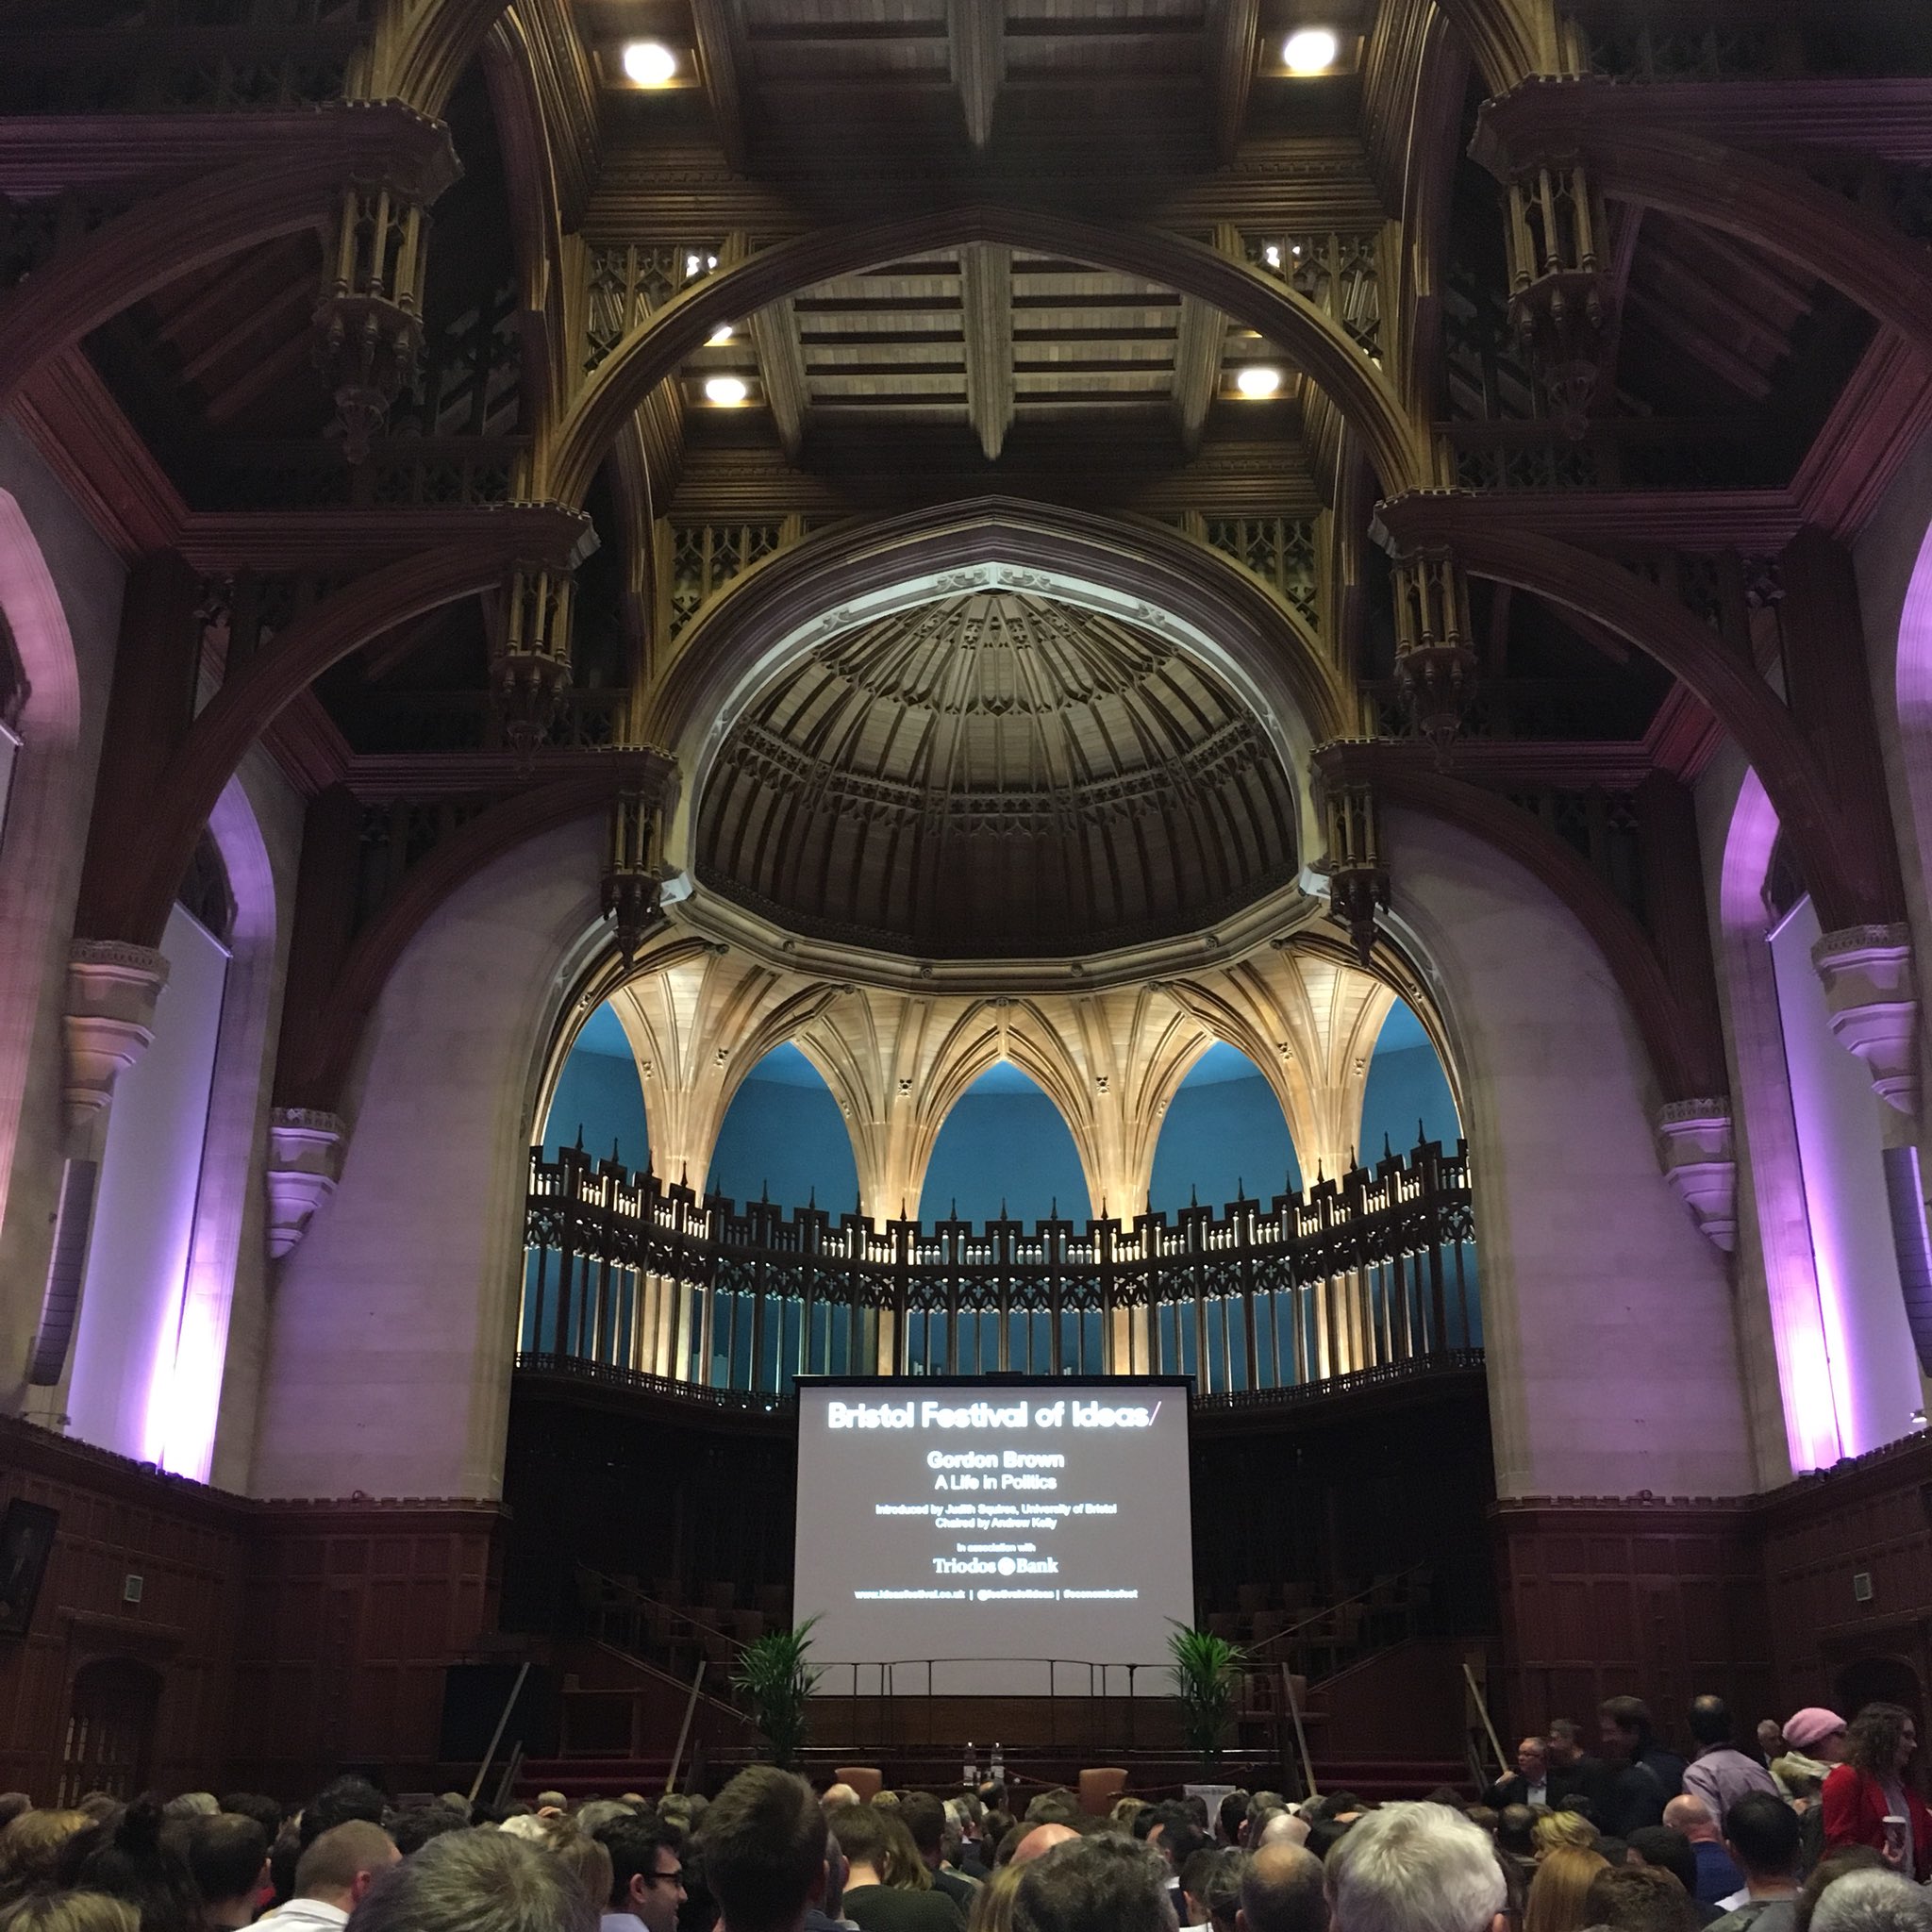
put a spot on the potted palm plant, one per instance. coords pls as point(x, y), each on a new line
point(1207, 1679)
point(775, 1680)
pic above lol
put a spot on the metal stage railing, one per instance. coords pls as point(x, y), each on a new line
point(1369, 1271)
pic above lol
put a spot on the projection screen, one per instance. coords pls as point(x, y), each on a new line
point(1016, 1536)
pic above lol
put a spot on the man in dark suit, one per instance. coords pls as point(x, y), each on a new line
point(1531, 1784)
point(1577, 1772)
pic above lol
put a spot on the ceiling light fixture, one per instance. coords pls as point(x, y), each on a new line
point(1310, 51)
point(719, 336)
point(727, 391)
point(1258, 380)
point(650, 63)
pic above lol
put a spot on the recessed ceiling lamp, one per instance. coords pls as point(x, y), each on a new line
point(1258, 380)
point(1310, 51)
point(719, 336)
point(650, 63)
point(727, 391)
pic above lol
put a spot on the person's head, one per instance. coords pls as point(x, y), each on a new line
point(1623, 1726)
point(836, 1796)
point(1709, 1720)
point(1229, 1816)
point(30, 1847)
point(1873, 1902)
point(1533, 1759)
point(266, 1811)
point(1638, 1898)
point(1041, 1838)
point(1816, 1732)
point(763, 1848)
point(1557, 1892)
point(1692, 1816)
point(924, 1817)
point(592, 1817)
point(1282, 1828)
point(1514, 1825)
point(1060, 1807)
point(1836, 1864)
point(1106, 1883)
point(1223, 1897)
point(179, 1809)
point(584, 1858)
point(1553, 1830)
point(646, 1870)
point(340, 1867)
point(416, 1824)
point(45, 1909)
point(1565, 1741)
point(1763, 1836)
point(1413, 1868)
point(1881, 1739)
point(1194, 1875)
point(1668, 1849)
point(229, 1856)
point(1483, 1816)
point(992, 1904)
point(338, 1803)
point(475, 1881)
point(552, 1801)
point(1281, 1891)
point(1180, 1843)
point(126, 1855)
point(995, 1827)
point(1770, 1739)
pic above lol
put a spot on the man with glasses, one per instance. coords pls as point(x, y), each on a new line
point(647, 1874)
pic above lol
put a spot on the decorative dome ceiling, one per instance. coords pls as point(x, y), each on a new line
point(996, 776)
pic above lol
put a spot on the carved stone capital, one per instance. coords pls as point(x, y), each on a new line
point(305, 1162)
point(1699, 1159)
point(1873, 999)
point(113, 990)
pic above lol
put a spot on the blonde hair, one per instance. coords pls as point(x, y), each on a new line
point(1561, 1883)
point(585, 1860)
point(1555, 1830)
point(69, 1911)
point(1125, 1808)
point(30, 1846)
point(993, 1905)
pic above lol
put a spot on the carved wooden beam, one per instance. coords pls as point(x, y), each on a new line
point(985, 300)
point(976, 32)
point(714, 25)
point(1198, 348)
point(1229, 36)
point(781, 371)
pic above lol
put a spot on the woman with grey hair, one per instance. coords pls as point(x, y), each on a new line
point(1873, 1902)
point(478, 1881)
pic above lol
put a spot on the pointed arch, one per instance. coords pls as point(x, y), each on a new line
point(1399, 451)
point(783, 1137)
point(598, 1092)
point(1006, 1143)
point(1223, 1131)
point(1407, 1087)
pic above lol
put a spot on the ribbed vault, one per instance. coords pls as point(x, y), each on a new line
point(996, 774)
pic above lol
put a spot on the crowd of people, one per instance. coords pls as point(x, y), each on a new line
point(1813, 1826)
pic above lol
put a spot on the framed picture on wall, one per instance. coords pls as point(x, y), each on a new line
point(26, 1544)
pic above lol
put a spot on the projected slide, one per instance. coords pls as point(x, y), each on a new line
point(994, 1526)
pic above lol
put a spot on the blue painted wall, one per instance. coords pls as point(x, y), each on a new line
point(1223, 1127)
point(783, 1132)
point(1406, 1084)
point(1005, 1139)
point(598, 1089)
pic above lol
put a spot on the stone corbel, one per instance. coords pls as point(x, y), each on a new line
point(1873, 999)
point(1696, 1152)
point(113, 990)
point(304, 1161)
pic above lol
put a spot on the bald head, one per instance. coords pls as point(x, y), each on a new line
point(1692, 1816)
point(1281, 1890)
point(1040, 1841)
point(836, 1795)
point(1283, 1829)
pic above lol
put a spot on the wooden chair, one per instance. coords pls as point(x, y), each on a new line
point(1099, 1788)
point(866, 1779)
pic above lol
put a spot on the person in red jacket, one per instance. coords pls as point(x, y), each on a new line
point(1870, 1786)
